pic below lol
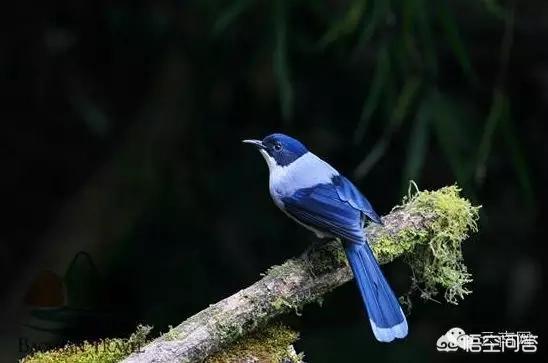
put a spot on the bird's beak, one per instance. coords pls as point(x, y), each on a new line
point(257, 143)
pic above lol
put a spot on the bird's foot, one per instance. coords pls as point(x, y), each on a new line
point(309, 264)
point(307, 255)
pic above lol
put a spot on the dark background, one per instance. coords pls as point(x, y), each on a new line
point(128, 197)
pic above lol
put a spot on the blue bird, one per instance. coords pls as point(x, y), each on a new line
point(315, 195)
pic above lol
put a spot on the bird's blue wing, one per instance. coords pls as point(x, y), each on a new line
point(349, 193)
point(321, 208)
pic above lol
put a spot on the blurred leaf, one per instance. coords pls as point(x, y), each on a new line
point(500, 115)
point(517, 156)
point(454, 38)
point(407, 49)
point(409, 9)
point(389, 94)
point(395, 119)
point(372, 100)
point(94, 118)
point(230, 15)
point(405, 100)
point(425, 34)
point(418, 142)
point(495, 8)
point(376, 153)
point(493, 119)
point(380, 9)
point(403, 58)
point(452, 136)
point(281, 64)
point(347, 25)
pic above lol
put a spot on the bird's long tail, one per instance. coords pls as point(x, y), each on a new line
point(385, 314)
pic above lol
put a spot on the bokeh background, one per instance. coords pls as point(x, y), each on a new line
point(128, 197)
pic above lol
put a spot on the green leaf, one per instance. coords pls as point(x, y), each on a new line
point(379, 12)
point(495, 8)
point(405, 100)
point(454, 38)
point(518, 158)
point(425, 34)
point(417, 146)
point(493, 119)
point(389, 95)
point(453, 136)
point(376, 153)
point(395, 119)
point(93, 117)
point(372, 100)
point(281, 63)
point(409, 11)
point(230, 15)
point(347, 25)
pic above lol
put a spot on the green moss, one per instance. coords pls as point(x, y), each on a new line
point(230, 332)
point(281, 304)
point(340, 257)
point(271, 344)
point(171, 333)
point(106, 350)
point(281, 270)
point(387, 246)
point(433, 251)
point(326, 258)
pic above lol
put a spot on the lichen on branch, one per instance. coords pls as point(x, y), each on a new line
point(108, 350)
point(433, 248)
point(273, 343)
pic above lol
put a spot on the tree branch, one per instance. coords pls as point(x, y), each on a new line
point(414, 229)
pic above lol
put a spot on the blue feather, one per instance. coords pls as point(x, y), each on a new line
point(349, 193)
point(321, 208)
point(385, 314)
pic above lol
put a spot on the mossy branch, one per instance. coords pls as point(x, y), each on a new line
point(427, 231)
point(109, 350)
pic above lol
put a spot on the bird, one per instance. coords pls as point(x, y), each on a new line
point(315, 195)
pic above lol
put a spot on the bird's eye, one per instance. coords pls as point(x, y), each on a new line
point(277, 146)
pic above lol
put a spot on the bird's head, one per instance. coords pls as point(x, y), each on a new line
point(279, 150)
